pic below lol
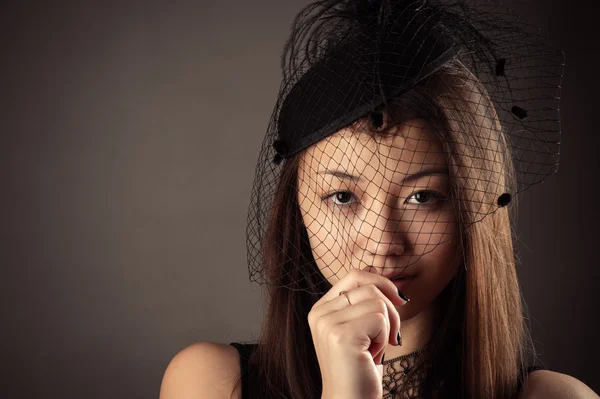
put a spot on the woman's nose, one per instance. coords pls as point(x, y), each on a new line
point(382, 233)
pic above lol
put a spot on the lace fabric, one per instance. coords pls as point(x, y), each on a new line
point(401, 376)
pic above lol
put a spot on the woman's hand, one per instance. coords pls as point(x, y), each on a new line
point(350, 339)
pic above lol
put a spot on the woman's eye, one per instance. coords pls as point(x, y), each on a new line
point(342, 197)
point(426, 197)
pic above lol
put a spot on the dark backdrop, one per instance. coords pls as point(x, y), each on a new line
point(129, 132)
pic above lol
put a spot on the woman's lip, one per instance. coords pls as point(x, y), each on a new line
point(403, 283)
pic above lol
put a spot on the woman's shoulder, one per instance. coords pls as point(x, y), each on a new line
point(202, 370)
point(548, 384)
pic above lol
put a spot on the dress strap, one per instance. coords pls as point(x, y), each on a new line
point(245, 350)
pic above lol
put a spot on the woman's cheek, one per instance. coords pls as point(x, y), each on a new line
point(442, 269)
point(329, 256)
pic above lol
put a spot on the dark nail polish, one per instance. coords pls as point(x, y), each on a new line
point(403, 296)
point(382, 358)
point(399, 339)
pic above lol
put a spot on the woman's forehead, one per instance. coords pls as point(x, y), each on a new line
point(413, 147)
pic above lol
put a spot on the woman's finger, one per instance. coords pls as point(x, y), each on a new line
point(358, 296)
point(377, 330)
point(356, 278)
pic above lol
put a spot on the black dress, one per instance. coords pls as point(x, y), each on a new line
point(245, 350)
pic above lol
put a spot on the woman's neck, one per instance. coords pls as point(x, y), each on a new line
point(416, 333)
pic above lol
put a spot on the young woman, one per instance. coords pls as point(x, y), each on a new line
point(379, 219)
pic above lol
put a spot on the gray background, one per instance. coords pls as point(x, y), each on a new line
point(129, 133)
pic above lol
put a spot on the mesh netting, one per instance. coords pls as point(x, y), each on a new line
point(398, 124)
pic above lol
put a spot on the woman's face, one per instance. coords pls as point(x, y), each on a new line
point(381, 204)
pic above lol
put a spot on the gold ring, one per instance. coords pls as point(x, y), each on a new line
point(346, 294)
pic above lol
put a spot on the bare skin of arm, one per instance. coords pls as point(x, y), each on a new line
point(545, 384)
point(203, 370)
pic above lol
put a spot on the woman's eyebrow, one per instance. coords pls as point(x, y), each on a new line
point(407, 178)
point(427, 172)
point(339, 174)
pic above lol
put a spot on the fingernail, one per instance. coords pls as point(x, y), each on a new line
point(403, 296)
point(399, 339)
point(382, 358)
